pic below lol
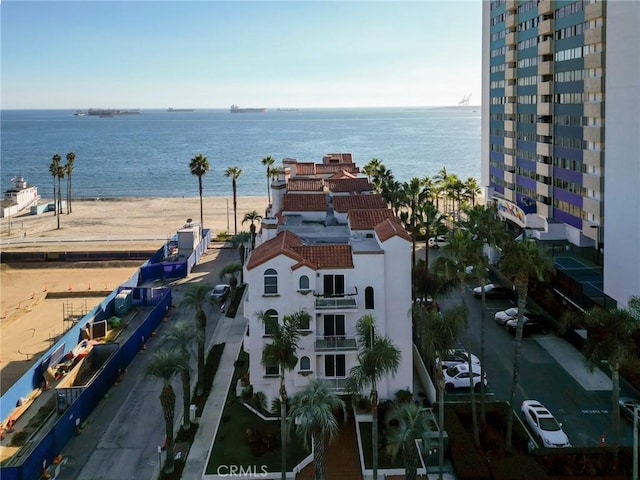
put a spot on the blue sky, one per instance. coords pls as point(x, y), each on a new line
point(210, 54)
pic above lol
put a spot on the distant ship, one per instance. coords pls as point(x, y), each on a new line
point(237, 109)
point(181, 109)
point(104, 112)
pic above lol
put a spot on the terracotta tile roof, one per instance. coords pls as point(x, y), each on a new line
point(301, 184)
point(325, 256)
point(342, 174)
point(305, 168)
point(280, 245)
point(301, 202)
point(340, 157)
point(345, 203)
point(389, 228)
point(356, 185)
point(313, 256)
point(367, 219)
point(322, 169)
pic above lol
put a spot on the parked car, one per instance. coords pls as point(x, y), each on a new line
point(220, 292)
point(458, 376)
point(626, 407)
point(503, 316)
point(545, 427)
point(437, 242)
point(470, 269)
point(530, 325)
point(457, 356)
point(493, 290)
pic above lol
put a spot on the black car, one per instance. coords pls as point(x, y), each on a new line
point(532, 324)
point(493, 290)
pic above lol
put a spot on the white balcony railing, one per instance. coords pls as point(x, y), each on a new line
point(335, 342)
point(335, 302)
point(336, 384)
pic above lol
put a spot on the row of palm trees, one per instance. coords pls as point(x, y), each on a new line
point(59, 171)
point(199, 167)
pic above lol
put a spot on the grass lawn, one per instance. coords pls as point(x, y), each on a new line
point(232, 447)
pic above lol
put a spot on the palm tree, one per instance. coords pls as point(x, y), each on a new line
point(461, 253)
point(412, 425)
point(234, 173)
point(282, 352)
point(53, 170)
point(68, 168)
point(486, 228)
point(313, 411)
point(378, 357)
point(228, 274)
point(199, 166)
point(521, 261)
point(196, 297)
point(238, 242)
point(471, 190)
point(441, 183)
point(59, 169)
point(371, 168)
point(610, 338)
point(163, 365)
point(437, 333)
point(432, 221)
point(180, 338)
point(252, 216)
point(268, 162)
point(412, 195)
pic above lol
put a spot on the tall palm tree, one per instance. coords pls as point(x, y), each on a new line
point(196, 297)
point(238, 242)
point(68, 168)
point(471, 190)
point(486, 228)
point(313, 411)
point(229, 274)
point(282, 352)
point(610, 335)
point(378, 357)
point(59, 169)
point(432, 221)
point(164, 364)
point(412, 196)
point(437, 333)
point(441, 183)
point(252, 216)
point(521, 261)
point(268, 162)
point(412, 424)
point(199, 166)
point(234, 173)
point(180, 338)
point(370, 168)
point(53, 170)
point(461, 253)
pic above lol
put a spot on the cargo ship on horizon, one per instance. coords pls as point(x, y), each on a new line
point(237, 109)
point(171, 109)
point(105, 112)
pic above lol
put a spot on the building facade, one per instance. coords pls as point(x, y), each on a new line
point(337, 256)
point(560, 82)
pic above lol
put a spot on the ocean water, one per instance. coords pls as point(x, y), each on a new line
point(148, 155)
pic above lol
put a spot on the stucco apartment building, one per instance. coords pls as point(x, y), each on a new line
point(331, 247)
point(560, 123)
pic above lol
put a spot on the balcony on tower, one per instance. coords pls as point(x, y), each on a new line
point(326, 343)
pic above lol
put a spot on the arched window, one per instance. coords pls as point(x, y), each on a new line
point(305, 364)
point(270, 282)
point(368, 298)
point(270, 321)
point(303, 284)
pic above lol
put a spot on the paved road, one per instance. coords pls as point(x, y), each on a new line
point(122, 435)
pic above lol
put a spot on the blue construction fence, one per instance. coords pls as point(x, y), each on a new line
point(52, 442)
point(29, 465)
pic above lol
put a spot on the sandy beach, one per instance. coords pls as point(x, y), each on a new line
point(30, 318)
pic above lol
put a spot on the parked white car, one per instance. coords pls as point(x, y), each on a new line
point(504, 316)
point(458, 376)
point(544, 425)
point(437, 242)
point(456, 357)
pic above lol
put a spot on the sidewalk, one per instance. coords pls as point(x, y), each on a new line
point(229, 331)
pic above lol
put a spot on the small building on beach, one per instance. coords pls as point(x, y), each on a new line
point(22, 195)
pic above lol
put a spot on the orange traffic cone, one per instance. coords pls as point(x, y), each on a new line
point(57, 459)
point(45, 474)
